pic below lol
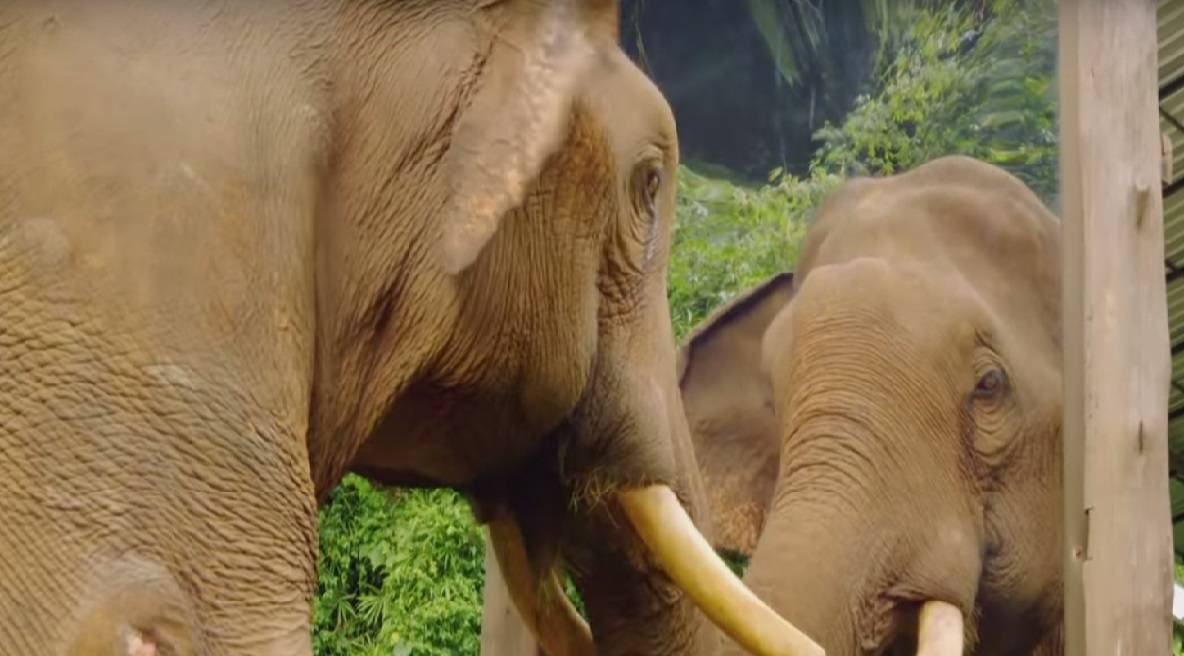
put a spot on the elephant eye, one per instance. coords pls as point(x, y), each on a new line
point(653, 183)
point(990, 384)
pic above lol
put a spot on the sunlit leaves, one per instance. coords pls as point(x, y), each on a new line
point(1177, 626)
point(730, 238)
point(960, 84)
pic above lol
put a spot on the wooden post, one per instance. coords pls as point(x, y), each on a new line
point(1118, 541)
point(503, 633)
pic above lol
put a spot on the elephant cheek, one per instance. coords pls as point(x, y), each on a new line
point(622, 436)
point(650, 442)
point(558, 377)
point(950, 566)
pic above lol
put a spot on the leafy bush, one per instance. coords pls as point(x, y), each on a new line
point(730, 238)
point(956, 80)
point(401, 573)
point(1177, 625)
point(961, 83)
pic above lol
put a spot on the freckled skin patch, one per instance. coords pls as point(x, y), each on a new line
point(44, 241)
point(171, 375)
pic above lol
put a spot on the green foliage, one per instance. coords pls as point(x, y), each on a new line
point(730, 238)
point(802, 37)
point(960, 83)
point(736, 562)
point(1177, 626)
point(958, 78)
point(569, 588)
point(400, 574)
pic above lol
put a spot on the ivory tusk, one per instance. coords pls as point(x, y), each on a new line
point(689, 560)
point(541, 602)
point(939, 630)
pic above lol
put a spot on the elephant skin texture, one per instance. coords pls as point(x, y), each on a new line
point(883, 427)
point(248, 247)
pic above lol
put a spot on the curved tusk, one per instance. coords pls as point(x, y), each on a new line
point(939, 631)
point(690, 561)
point(541, 602)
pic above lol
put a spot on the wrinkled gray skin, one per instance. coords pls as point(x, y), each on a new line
point(246, 247)
point(732, 467)
point(905, 386)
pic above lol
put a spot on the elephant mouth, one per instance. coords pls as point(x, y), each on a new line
point(917, 628)
point(901, 646)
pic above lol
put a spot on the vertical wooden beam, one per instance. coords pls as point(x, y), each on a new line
point(503, 633)
point(1118, 542)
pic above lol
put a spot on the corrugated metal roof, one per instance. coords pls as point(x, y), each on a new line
point(1171, 123)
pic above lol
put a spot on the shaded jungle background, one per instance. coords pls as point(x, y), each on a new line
point(776, 102)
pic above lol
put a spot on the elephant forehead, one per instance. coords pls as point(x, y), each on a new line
point(650, 119)
point(901, 292)
point(958, 213)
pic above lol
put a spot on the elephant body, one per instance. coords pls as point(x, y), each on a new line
point(904, 384)
point(248, 247)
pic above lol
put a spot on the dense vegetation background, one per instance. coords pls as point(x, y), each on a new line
point(869, 87)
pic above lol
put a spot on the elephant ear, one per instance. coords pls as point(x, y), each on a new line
point(729, 406)
point(518, 116)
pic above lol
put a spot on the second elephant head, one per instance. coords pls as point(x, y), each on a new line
point(883, 430)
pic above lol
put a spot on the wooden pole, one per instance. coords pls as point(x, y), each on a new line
point(1118, 541)
point(503, 633)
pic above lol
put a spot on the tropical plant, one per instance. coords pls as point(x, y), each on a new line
point(401, 573)
point(1177, 625)
point(806, 38)
point(960, 84)
point(730, 238)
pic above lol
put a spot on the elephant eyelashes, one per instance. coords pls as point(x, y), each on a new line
point(990, 384)
point(653, 183)
point(647, 182)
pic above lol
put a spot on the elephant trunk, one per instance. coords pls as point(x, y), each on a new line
point(861, 556)
point(689, 560)
point(803, 568)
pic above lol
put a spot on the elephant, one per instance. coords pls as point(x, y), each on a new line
point(247, 248)
point(880, 430)
point(731, 468)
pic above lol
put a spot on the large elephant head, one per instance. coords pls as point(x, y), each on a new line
point(907, 393)
point(247, 247)
point(728, 470)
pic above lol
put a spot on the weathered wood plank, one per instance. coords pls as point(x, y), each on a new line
point(1118, 541)
point(503, 633)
